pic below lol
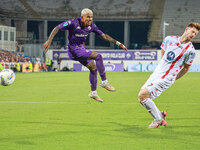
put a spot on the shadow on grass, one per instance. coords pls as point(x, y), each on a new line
point(110, 129)
point(141, 131)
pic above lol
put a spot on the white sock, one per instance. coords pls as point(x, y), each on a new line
point(93, 91)
point(105, 81)
point(152, 108)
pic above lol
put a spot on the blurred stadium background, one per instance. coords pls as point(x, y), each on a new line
point(52, 111)
point(140, 24)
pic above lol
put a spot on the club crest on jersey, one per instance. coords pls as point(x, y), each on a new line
point(89, 27)
point(170, 56)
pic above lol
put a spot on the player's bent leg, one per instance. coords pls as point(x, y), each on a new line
point(102, 73)
point(147, 102)
point(99, 63)
point(163, 122)
point(101, 69)
point(93, 81)
point(93, 75)
point(93, 56)
point(143, 94)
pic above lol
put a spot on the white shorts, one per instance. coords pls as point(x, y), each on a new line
point(156, 85)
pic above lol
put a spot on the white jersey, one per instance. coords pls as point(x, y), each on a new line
point(176, 54)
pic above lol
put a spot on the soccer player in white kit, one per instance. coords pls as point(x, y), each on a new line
point(177, 55)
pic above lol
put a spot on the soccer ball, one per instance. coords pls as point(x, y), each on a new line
point(7, 77)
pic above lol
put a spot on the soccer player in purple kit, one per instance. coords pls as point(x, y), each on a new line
point(79, 29)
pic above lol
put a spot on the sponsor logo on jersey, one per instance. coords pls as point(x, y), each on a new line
point(192, 55)
point(66, 23)
point(81, 35)
point(170, 56)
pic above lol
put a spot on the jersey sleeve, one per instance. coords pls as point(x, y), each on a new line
point(96, 30)
point(65, 25)
point(190, 57)
point(164, 43)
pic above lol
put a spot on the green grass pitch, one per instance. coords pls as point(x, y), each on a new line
point(52, 111)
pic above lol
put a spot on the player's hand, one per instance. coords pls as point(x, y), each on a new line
point(123, 47)
point(46, 45)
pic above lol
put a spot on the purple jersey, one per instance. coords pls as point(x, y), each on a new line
point(77, 32)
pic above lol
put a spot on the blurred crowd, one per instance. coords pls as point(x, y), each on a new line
point(12, 57)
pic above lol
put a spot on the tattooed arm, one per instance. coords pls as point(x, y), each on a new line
point(106, 37)
point(48, 42)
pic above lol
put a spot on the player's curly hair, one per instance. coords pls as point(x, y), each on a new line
point(195, 25)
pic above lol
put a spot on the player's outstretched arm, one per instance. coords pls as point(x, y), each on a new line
point(106, 37)
point(183, 71)
point(48, 42)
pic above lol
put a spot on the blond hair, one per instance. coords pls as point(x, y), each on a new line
point(195, 25)
point(86, 11)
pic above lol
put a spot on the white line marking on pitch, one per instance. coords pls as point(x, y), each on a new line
point(80, 103)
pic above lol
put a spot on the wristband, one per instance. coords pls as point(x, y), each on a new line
point(118, 43)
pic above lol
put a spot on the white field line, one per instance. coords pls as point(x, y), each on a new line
point(81, 103)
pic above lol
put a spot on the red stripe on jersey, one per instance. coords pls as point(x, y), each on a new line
point(150, 85)
point(173, 63)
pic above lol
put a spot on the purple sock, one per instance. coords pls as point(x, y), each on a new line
point(100, 67)
point(93, 80)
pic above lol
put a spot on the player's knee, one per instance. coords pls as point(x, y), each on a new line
point(98, 57)
point(142, 95)
point(91, 66)
point(93, 70)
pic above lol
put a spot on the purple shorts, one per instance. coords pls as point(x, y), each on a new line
point(79, 53)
